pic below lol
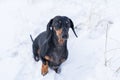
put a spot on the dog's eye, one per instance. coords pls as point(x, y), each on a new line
point(67, 23)
point(57, 25)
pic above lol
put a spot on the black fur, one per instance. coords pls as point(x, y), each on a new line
point(47, 42)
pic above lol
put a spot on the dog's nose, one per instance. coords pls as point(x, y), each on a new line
point(64, 36)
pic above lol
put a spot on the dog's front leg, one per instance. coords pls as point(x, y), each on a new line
point(44, 69)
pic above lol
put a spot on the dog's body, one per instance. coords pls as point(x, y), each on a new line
point(51, 45)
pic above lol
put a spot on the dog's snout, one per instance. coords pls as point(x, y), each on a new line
point(64, 33)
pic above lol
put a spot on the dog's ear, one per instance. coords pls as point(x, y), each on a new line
point(49, 29)
point(49, 25)
point(72, 27)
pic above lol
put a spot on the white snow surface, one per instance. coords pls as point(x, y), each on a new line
point(87, 53)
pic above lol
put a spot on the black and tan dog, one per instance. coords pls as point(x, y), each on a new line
point(51, 45)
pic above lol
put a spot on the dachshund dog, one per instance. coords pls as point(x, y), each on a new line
point(51, 45)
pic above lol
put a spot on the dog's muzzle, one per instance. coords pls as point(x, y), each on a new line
point(65, 36)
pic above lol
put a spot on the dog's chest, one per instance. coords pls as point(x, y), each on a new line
point(57, 50)
point(57, 53)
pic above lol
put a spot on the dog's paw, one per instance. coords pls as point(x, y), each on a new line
point(58, 70)
point(44, 73)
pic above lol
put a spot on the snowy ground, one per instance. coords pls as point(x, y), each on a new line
point(19, 18)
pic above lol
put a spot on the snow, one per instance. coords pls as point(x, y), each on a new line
point(86, 61)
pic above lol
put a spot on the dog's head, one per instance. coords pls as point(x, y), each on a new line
point(60, 25)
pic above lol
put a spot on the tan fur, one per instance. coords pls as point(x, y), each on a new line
point(48, 58)
point(59, 34)
point(44, 69)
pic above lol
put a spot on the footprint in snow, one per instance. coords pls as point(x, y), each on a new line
point(100, 29)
